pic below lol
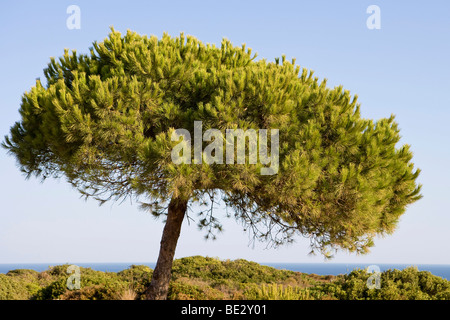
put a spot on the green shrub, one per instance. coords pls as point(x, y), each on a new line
point(407, 284)
point(20, 284)
point(25, 273)
point(276, 292)
point(13, 289)
point(185, 291)
point(94, 285)
point(204, 278)
point(139, 277)
point(281, 292)
point(240, 270)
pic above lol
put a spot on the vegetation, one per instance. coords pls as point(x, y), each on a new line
point(106, 121)
point(204, 278)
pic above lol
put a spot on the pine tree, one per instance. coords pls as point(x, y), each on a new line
point(104, 120)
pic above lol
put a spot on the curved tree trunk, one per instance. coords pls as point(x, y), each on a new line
point(159, 286)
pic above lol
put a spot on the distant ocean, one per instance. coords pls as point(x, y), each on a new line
point(442, 270)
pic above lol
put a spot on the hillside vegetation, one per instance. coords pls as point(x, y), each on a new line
point(204, 278)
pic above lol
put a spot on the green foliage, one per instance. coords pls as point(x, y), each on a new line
point(105, 120)
point(277, 292)
point(27, 273)
point(407, 284)
point(138, 277)
point(185, 291)
point(12, 288)
point(95, 285)
point(205, 278)
point(53, 291)
point(21, 284)
point(240, 271)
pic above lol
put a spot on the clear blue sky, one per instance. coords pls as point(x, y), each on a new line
point(402, 68)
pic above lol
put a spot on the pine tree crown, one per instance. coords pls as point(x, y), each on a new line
point(104, 121)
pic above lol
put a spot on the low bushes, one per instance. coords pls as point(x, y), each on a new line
point(407, 284)
point(204, 278)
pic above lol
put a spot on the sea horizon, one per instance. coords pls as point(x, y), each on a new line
point(324, 268)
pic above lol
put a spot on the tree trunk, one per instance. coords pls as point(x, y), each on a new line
point(159, 286)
